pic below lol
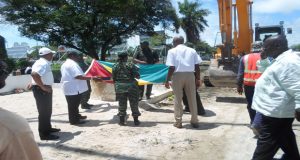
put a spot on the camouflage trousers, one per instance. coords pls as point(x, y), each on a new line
point(133, 100)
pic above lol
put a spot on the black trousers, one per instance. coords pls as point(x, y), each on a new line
point(199, 103)
point(44, 106)
point(148, 90)
point(249, 91)
point(73, 107)
point(85, 96)
point(276, 133)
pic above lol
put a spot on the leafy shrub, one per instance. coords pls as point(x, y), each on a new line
point(56, 72)
point(11, 64)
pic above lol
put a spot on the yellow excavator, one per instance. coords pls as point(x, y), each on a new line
point(235, 20)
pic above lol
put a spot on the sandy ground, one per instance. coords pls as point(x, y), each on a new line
point(223, 132)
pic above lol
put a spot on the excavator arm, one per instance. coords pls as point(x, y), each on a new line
point(222, 72)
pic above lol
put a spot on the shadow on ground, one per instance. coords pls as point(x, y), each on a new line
point(86, 151)
point(231, 100)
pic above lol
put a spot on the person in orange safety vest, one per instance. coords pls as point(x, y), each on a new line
point(247, 75)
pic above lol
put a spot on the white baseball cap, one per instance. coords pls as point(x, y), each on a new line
point(45, 50)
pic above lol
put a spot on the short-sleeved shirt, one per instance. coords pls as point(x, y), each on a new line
point(43, 68)
point(72, 86)
point(16, 140)
point(277, 91)
point(183, 58)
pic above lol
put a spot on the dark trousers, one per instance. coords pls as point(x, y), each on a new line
point(85, 96)
point(73, 105)
point(148, 90)
point(44, 106)
point(249, 91)
point(199, 103)
point(276, 133)
point(257, 120)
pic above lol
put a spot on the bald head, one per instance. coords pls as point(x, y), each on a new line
point(178, 40)
point(274, 46)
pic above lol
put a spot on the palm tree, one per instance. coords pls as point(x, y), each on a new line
point(193, 21)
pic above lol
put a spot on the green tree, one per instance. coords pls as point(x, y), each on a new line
point(87, 25)
point(204, 48)
point(193, 20)
point(296, 47)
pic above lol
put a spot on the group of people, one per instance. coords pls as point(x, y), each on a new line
point(185, 80)
point(74, 85)
point(274, 95)
point(272, 87)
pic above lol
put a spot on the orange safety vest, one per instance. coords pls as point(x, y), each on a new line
point(251, 73)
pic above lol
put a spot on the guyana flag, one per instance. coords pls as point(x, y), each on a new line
point(149, 73)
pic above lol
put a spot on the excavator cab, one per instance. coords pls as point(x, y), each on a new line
point(263, 32)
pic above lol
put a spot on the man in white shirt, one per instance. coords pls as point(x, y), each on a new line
point(184, 72)
point(74, 84)
point(16, 140)
point(42, 80)
point(277, 98)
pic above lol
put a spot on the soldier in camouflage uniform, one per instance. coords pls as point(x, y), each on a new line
point(126, 87)
point(145, 55)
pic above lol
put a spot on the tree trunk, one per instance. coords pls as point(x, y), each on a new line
point(95, 55)
point(92, 51)
point(103, 53)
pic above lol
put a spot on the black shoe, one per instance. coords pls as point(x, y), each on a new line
point(54, 130)
point(82, 117)
point(49, 137)
point(186, 109)
point(122, 121)
point(78, 123)
point(90, 105)
point(86, 106)
point(148, 97)
point(136, 121)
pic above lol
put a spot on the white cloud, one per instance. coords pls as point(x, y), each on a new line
point(276, 6)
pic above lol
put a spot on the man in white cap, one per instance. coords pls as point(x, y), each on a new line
point(16, 140)
point(42, 80)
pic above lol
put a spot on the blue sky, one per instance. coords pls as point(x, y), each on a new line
point(265, 12)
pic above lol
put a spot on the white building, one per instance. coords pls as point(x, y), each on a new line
point(18, 50)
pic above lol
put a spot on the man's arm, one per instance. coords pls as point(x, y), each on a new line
point(170, 73)
point(240, 76)
point(290, 82)
point(78, 74)
point(139, 61)
point(38, 80)
point(83, 77)
point(136, 57)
